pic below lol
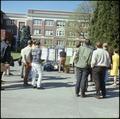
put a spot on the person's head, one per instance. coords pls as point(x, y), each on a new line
point(116, 51)
point(33, 42)
point(105, 46)
point(78, 44)
point(37, 43)
point(29, 42)
point(98, 44)
point(87, 42)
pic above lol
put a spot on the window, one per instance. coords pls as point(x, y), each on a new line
point(60, 23)
point(71, 34)
point(49, 22)
point(60, 43)
point(36, 32)
point(48, 42)
point(60, 33)
point(10, 22)
point(48, 33)
point(37, 22)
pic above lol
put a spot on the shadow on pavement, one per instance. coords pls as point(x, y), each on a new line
point(56, 85)
point(54, 78)
point(16, 87)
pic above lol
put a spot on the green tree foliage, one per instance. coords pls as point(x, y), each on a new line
point(24, 36)
point(104, 25)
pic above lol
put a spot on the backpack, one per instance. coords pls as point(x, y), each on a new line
point(48, 67)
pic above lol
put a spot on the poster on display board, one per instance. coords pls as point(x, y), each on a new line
point(44, 53)
point(69, 51)
point(51, 54)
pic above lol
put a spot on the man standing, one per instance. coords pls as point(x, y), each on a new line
point(100, 61)
point(36, 66)
point(62, 59)
point(82, 63)
point(26, 60)
point(3, 59)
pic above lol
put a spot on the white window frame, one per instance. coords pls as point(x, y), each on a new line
point(49, 22)
point(49, 33)
point(37, 21)
point(36, 32)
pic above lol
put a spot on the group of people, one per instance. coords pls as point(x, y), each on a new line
point(88, 60)
point(98, 60)
point(31, 63)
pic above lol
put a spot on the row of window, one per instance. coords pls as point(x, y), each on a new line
point(10, 22)
point(49, 42)
point(48, 22)
point(49, 32)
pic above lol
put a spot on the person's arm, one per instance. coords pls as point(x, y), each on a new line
point(93, 61)
point(76, 57)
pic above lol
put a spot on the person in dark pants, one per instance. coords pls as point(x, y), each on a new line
point(100, 62)
point(82, 63)
point(4, 52)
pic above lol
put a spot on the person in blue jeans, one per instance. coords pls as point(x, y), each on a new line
point(82, 63)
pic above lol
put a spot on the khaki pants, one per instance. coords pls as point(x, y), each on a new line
point(27, 70)
point(62, 63)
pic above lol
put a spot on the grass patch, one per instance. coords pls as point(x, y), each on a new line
point(15, 55)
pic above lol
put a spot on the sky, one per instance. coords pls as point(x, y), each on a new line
point(23, 6)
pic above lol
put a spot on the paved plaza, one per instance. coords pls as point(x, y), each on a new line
point(57, 100)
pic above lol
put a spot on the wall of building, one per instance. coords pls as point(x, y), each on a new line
point(49, 35)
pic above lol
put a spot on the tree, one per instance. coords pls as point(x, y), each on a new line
point(24, 36)
point(80, 18)
point(104, 25)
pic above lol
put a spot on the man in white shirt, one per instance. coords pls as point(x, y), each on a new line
point(100, 61)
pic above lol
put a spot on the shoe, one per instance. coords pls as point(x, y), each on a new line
point(104, 96)
point(34, 86)
point(83, 94)
point(40, 88)
point(114, 85)
point(10, 74)
point(26, 84)
point(98, 97)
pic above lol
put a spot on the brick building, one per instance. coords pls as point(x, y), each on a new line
point(46, 26)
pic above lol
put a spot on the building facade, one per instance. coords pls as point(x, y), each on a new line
point(47, 26)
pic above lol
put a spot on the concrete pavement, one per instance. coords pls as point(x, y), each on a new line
point(57, 100)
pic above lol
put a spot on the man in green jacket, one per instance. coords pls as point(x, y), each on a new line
point(82, 63)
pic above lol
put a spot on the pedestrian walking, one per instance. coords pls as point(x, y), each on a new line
point(115, 67)
point(36, 66)
point(100, 62)
point(62, 60)
point(4, 52)
point(105, 47)
point(26, 60)
point(82, 63)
